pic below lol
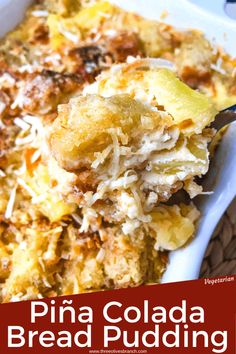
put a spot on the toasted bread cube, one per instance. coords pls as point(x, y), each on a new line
point(194, 59)
point(87, 125)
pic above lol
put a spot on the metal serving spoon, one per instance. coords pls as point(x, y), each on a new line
point(224, 118)
point(230, 8)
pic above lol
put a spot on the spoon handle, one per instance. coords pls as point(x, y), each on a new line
point(224, 118)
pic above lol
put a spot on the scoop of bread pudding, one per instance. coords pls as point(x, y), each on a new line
point(140, 135)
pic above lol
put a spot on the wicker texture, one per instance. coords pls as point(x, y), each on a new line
point(220, 257)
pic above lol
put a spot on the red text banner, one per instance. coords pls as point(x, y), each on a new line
point(186, 317)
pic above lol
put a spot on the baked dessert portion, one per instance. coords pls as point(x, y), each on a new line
point(137, 146)
point(90, 165)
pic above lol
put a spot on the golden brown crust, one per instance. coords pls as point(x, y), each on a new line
point(194, 59)
point(42, 92)
point(85, 126)
point(122, 45)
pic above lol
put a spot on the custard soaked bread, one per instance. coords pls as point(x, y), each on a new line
point(139, 150)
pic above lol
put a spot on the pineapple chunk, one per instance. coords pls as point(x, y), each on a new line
point(5, 260)
point(62, 31)
point(25, 276)
point(93, 16)
point(56, 38)
point(173, 225)
point(191, 110)
point(46, 196)
point(32, 264)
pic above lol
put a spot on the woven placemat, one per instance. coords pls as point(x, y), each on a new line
point(220, 257)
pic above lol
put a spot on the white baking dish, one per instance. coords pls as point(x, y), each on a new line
point(184, 263)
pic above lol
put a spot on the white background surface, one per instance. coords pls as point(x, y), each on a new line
point(184, 263)
point(217, 7)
